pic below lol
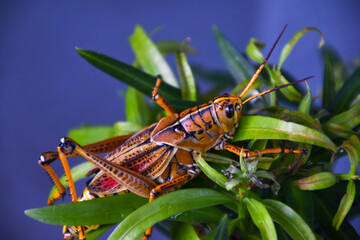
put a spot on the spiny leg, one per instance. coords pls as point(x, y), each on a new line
point(160, 99)
point(246, 153)
point(72, 189)
point(47, 158)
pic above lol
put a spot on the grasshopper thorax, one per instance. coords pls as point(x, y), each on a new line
point(228, 111)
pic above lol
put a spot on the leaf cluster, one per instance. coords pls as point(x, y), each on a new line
point(273, 196)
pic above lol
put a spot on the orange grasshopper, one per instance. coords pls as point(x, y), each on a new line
point(161, 157)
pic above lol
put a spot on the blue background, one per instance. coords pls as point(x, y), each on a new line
point(47, 89)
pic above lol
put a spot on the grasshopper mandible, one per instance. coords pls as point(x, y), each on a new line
point(160, 157)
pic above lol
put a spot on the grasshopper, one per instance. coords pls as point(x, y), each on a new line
point(161, 157)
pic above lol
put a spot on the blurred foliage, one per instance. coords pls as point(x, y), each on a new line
point(299, 192)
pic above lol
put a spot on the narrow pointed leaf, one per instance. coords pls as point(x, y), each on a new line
point(352, 147)
point(211, 173)
point(165, 206)
point(90, 134)
point(317, 181)
point(188, 88)
point(289, 220)
point(213, 76)
point(261, 218)
point(149, 56)
point(345, 205)
point(136, 109)
point(259, 127)
point(183, 231)
point(338, 66)
point(237, 64)
point(289, 92)
point(128, 74)
point(328, 84)
point(290, 45)
point(125, 128)
point(294, 116)
point(305, 104)
point(253, 50)
point(324, 212)
point(343, 98)
point(98, 211)
point(221, 231)
point(201, 215)
point(348, 119)
point(301, 202)
point(172, 46)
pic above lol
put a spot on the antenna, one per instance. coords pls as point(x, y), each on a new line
point(254, 77)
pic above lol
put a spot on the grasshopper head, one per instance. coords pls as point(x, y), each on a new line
point(228, 111)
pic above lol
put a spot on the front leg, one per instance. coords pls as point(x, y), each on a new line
point(160, 99)
point(246, 153)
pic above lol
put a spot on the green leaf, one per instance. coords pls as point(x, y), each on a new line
point(305, 104)
point(201, 215)
point(343, 98)
point(324, 212)
point(261, 218)
point(328, 83)
point(259, 127)
point(317, 181)
point(125, 128)
point(293, 116)
point(172, 46)
point(136, 109)
point(253, 50)
point(183, 231)
point(90, 134)
point(221, 232)
point(290, 45)
point(188, 88)
point(97, 211)
point(301, 202)
point(149, 56)
point(289, 92)
point(165, 206)
point(348, 119)
point(211, 173)
point(78, 172)
point(345, 205)
point(237, 64)
point(214, 76)
point(352, 147)
point(292, 222)
point(338, 66)
point(128, 74)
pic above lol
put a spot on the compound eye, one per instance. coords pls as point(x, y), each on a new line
point(237, 107)
point(229, 111)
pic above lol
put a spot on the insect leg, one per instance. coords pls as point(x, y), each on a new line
point(72, 189)
point(246, 153)
point(47, 158)
point(160, 99)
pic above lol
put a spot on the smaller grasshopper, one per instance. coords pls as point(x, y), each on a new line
point(161, 157)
